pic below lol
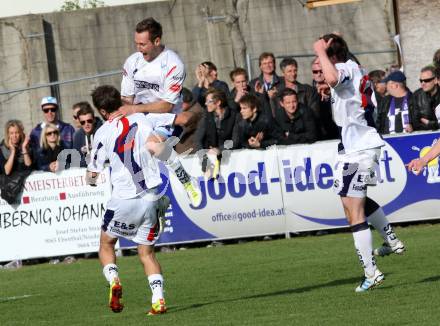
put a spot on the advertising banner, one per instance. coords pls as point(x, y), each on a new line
point(258, 192)
point(244, 201)
point(307, 179)
point(58, 214)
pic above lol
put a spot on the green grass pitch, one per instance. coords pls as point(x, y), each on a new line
point(299, 281)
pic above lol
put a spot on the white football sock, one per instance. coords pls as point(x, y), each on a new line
point(110, 272)
point(156, 285)
point(363, 242)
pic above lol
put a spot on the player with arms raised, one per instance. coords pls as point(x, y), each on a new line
point(358, 157)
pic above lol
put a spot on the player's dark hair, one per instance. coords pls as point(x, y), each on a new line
point(287, 92)
point(288, 62)
point(337, 48)
point(106, 98)
point(237, 72)
point(151, 26)
point(217, 95)
point(251, 101)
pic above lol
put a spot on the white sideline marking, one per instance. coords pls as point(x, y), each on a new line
point(18, 297)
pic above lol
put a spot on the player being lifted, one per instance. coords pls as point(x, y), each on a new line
point(358, 157)
point(152, 83)
point(135, 210)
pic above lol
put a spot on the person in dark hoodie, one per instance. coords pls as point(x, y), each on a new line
point(255, 129)
point(83, 137)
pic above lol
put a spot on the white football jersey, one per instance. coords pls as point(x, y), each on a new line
point(348, 112)
point(133, 171)
point(160, 79)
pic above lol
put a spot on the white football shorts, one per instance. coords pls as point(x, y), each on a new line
point(355, 171)
point(134, 219)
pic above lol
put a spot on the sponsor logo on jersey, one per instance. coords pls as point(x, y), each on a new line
point(178, 78)
point(140, 84)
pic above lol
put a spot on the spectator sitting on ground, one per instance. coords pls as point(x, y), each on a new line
point(380, 88)
point(206, 74)
point(188, 136)
point(50, 109)
point(254, 129)
point(15, 160)
point(241, 87)
point(50, 146)
point(83, 137)
point(425, 101)
point(327, 128)
point(296, 122)
point(268, 81)
point(394, 114)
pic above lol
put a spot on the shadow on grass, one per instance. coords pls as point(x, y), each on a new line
point(430, 279)
point(351, 280)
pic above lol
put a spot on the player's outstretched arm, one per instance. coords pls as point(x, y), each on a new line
point(418, 164)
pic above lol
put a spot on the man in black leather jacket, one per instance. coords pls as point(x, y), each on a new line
point(426, 101)
point(295, 121)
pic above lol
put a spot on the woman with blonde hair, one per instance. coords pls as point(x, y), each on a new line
point(15, 160)
point(50, 146)
point(14, 148)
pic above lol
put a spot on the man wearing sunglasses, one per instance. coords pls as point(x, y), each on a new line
point(50, 110)
point(83, 137)
point(426, 101)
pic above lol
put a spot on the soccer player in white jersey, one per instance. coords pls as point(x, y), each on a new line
point(135, 209)
point(358, 156)
point(152, 83)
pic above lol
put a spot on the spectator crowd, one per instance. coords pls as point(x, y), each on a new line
point(268, 110)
